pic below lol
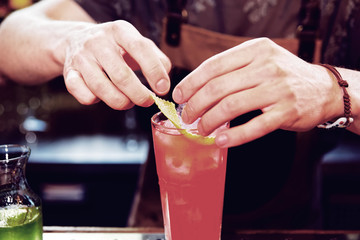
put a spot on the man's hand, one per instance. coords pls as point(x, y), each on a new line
point(100, 61)
point(258, 74)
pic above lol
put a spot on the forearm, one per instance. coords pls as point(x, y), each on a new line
point(32, 44)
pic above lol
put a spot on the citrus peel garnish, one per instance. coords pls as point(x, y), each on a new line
point(168, 109)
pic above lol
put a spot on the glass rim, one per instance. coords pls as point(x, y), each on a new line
point(158, 125)
point(20, 150)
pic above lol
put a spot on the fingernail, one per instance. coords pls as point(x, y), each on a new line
point(162, 85)
point(221, 140)
point(177, 95)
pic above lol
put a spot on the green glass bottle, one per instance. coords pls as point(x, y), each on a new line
point(20, 207)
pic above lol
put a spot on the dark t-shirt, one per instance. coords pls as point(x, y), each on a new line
point(268, 18)
point(340, 20)
point(341, 27)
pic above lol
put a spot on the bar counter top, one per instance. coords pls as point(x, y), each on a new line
point(92, 233)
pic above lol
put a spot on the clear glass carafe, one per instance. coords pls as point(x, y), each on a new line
point(20, 207)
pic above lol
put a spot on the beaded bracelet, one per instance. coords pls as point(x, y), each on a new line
point(346, 120)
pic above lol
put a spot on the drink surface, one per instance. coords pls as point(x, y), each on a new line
point(19, 222)
point(191, 178)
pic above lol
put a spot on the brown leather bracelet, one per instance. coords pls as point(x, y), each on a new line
point(345, 121)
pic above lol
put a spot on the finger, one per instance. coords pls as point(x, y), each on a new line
point(218, 88)
point(254, 129)
point(135, 66)
point(220, 64)
point(100, 85)
point(77, 87)
point(123, 77)
point(235, 105)
point(164, 60)
point(146, 54)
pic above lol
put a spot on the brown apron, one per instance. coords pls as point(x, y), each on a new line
point(195, 46)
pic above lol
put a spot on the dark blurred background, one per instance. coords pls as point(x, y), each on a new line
point(85, 160)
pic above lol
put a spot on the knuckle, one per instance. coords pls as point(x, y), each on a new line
point(166, 63)
point(123, 77)
point(91, 42)
point(154, 72)
point(266, 46)
point(211, 67)
point(71, 83)
point(229, 106)
point(78, 59)
point(118, 26)
point(270, 122)
point(93, 38)
point(139, 43)
point(97, 86)
point(71, 88)
point(274, 68)
point(264, 125)
point(213, 89)
point(264, 43)
point(143, 99)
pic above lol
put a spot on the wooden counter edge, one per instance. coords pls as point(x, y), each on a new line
point(64, 229)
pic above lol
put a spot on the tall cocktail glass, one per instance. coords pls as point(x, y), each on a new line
point(192, 180)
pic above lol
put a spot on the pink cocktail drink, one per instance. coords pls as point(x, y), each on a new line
point(192, 180)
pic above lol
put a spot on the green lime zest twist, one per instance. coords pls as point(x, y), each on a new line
point(168, 109)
